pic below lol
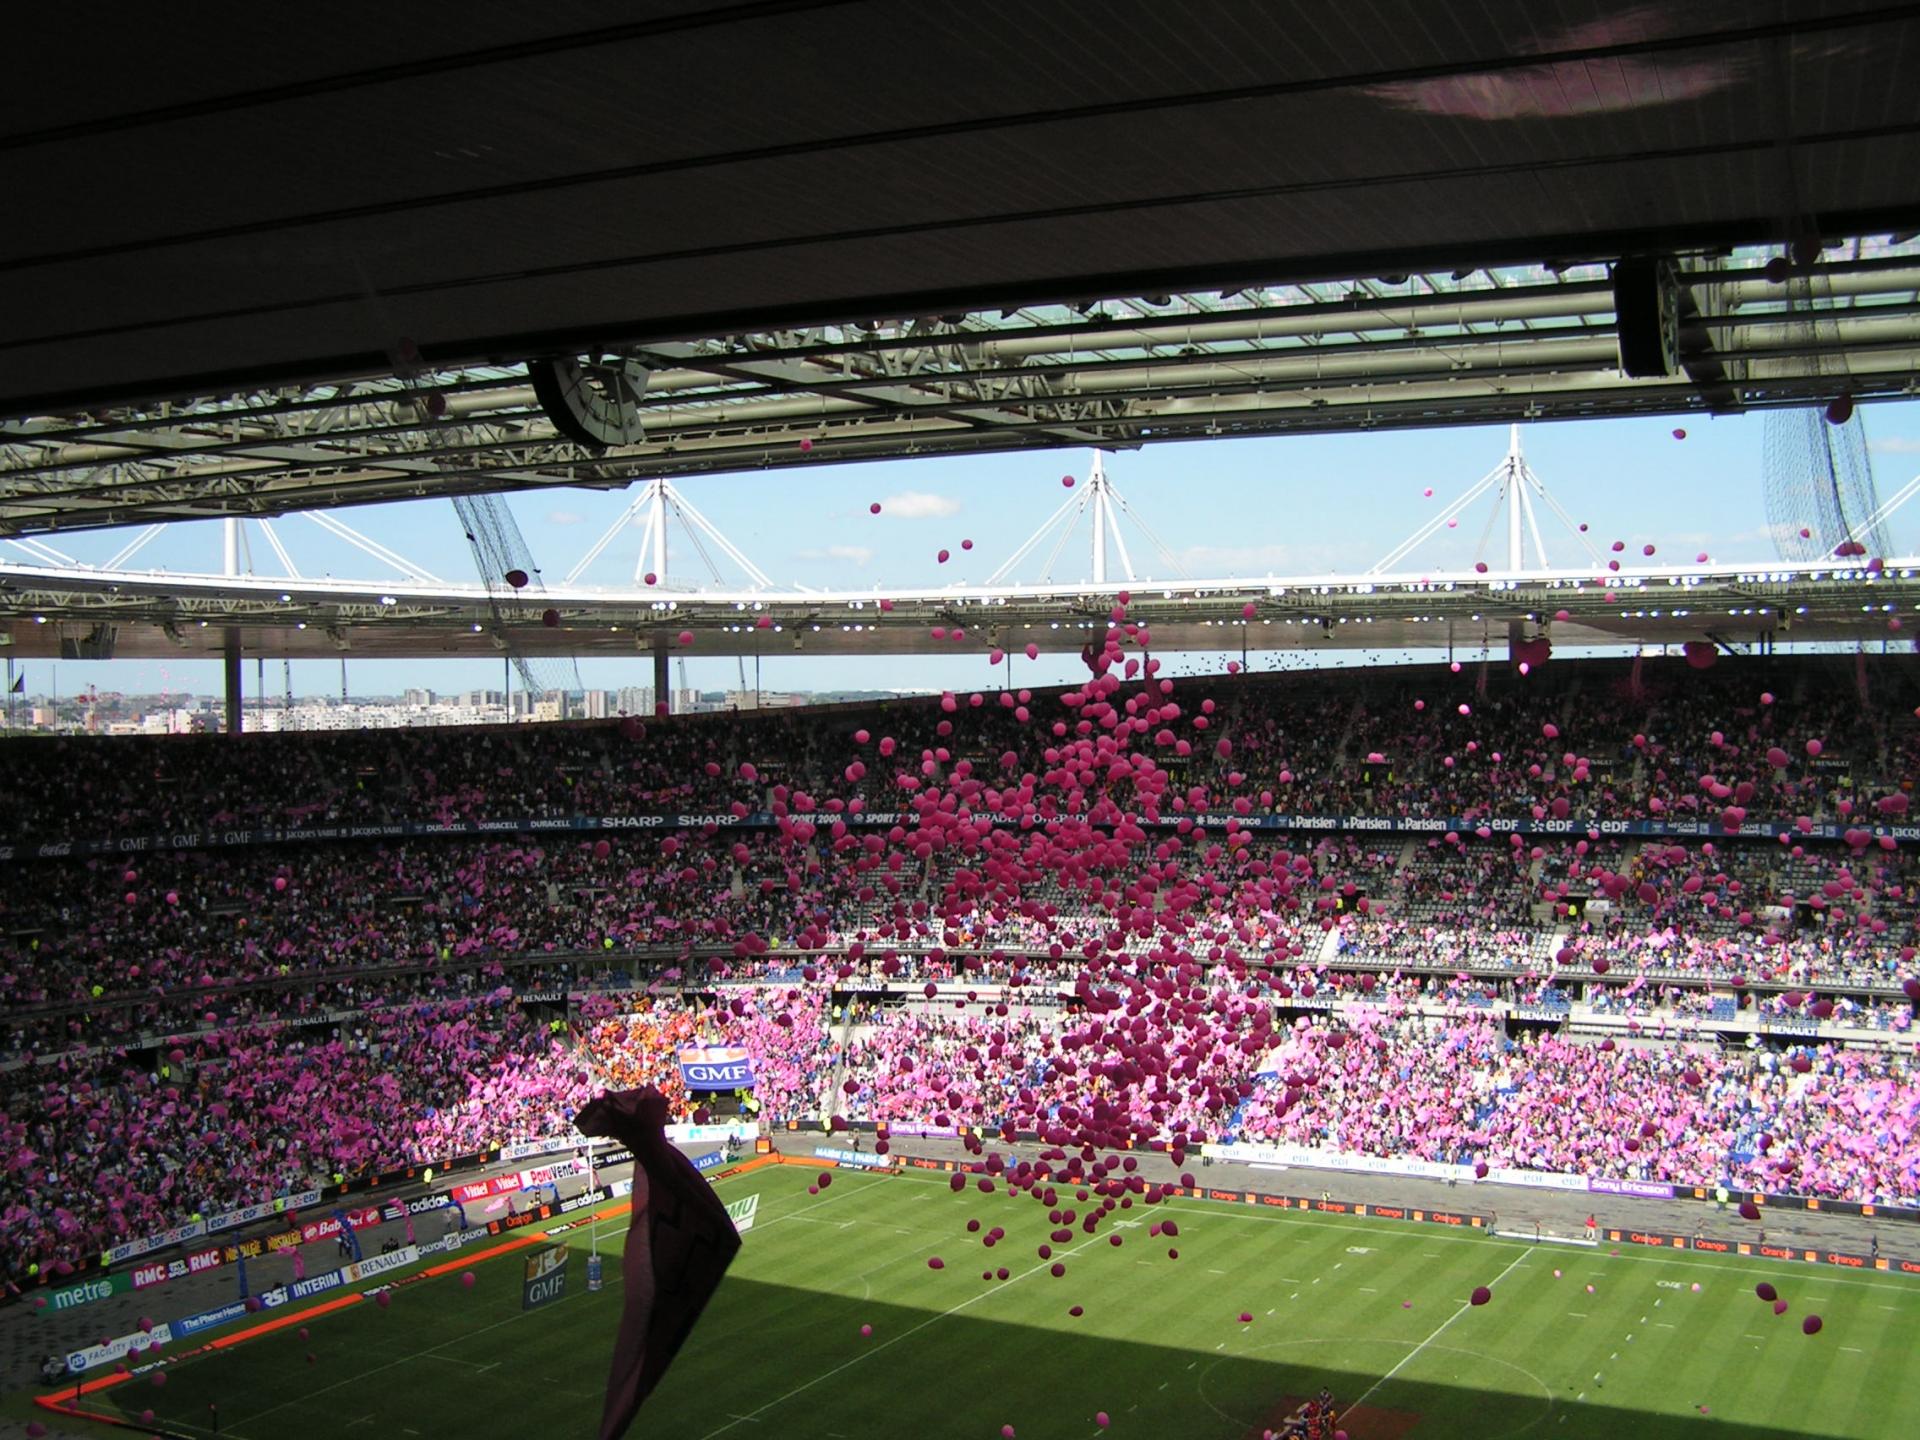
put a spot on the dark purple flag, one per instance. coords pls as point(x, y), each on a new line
point(678, 1247)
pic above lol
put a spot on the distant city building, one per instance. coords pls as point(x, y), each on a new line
point(764, 699)
point(116, 714)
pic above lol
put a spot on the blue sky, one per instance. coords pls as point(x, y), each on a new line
point(1305, 505)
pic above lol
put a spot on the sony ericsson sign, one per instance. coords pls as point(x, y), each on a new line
point(546, 1277)
point(716, 1067)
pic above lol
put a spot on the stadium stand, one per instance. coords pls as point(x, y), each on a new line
point(358, 952)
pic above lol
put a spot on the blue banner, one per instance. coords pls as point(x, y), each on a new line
point(207, 1319)
point(545, 1280)
point(314, 1284)
point(716, 1067)
point(857, 1159)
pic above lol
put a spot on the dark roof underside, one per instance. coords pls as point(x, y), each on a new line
point(271, 193)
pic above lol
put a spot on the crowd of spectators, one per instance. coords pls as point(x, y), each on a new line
point(334, 1009)
point(105, 1147)
point(1569, 740)
point(1458, 1089)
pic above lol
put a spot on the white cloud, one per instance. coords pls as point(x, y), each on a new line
point(919, 505)
point(565, 517)
point(852, 554)
point(1894, 445)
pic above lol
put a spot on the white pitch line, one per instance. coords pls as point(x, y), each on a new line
point(1407, 1359)
point(430, 1352)
point(971, 1300)
point(1234, 1210)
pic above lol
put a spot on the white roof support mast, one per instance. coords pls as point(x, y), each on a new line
point(1514, 485)
point(1103, 505)
point(651, 508)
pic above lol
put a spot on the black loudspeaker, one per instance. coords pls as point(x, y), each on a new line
point(1643, 307)
point(97, 644)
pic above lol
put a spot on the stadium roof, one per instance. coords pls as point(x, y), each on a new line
point(90, 614)
point(252, 272)
point(1519, 343)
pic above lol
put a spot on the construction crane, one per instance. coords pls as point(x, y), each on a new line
point(499, 550)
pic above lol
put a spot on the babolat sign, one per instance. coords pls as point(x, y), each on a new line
point(716, 1067)
point(546, 1278)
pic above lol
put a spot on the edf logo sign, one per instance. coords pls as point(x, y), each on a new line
point(546, 1277)
point(716, 1067)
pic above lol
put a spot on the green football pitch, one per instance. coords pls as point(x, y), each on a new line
point(1574, 1343)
